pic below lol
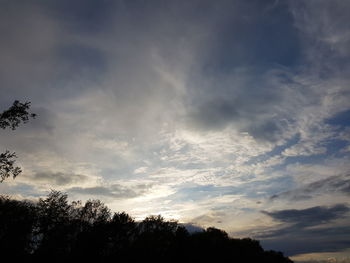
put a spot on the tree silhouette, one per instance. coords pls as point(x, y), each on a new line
point(17, 223)
point(7, 167)
point(11, 118)
point(16, 114)
point(55, 230)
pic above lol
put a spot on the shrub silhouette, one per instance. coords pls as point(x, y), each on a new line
point(55, 230)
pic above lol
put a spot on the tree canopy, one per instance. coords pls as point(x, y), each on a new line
point(55, 230)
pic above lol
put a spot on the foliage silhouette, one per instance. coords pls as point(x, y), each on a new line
point(55, 230)
point(11, 118)
point(17, 224)
point(16, 114)
point(7, 167)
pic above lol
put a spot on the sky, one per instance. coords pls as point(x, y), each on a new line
point(233, 114)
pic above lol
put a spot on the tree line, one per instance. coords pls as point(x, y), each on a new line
point(52, 229)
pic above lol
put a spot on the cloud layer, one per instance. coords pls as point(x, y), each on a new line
point(206, 112)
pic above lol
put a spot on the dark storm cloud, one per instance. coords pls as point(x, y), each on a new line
point(113, 191)
point(308, 230)
point(334, 184)
point(59, 179)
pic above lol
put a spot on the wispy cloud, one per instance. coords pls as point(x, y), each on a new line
point(111, 191)
point(330, 185)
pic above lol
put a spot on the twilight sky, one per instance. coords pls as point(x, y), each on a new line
point(233, 114)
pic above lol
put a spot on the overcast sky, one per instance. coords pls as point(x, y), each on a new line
point(233, 114)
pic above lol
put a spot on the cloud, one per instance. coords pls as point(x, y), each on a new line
point(330, 257)
point(310, 216)
point(293, 241)
point(328, 260)
point(115, 191)
point(328, 34)
point(232, 104)
point(209, 219)
point(333, 184)
point(315, 229)
point(58, 178)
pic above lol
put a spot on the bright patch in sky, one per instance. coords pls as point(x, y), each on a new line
point(233, 114)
